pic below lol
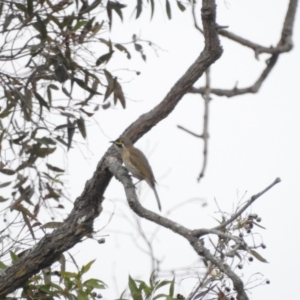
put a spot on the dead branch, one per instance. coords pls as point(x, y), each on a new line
point(285, 44)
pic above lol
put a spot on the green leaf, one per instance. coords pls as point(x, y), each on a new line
point(135, 292)
point(94, 283)
point(2, 265)
point(14, 256)
point(97, 27)
point(81, 295)
point(86, 267)
point(171, 291)
point(81, 127)
point(79, 24)
point(168, 9)
point(258, 256)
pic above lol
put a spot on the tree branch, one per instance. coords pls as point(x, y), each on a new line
point(191, 236)
point(88, 206)
point(250, 201)
point(285, 44)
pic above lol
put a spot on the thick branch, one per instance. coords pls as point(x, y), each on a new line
point(88, 206)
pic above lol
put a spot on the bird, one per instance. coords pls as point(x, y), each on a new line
point(136, 163)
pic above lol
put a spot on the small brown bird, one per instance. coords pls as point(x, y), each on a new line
point(136, 163)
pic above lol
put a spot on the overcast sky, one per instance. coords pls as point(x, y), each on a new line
point(253, 140)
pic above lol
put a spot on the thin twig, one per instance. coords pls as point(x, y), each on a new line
point(190, 132)
point(250, 201)
point(205, 124)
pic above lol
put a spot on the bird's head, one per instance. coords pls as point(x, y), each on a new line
point(122, 142)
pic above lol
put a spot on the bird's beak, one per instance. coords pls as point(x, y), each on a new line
point(113, 142)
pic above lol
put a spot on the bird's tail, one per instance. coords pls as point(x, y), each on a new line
point(157, 198)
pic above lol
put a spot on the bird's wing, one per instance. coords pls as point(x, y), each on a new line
point(140, 161)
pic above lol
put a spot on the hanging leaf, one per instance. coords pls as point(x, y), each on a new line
point(97, 27)
point(40, 26)
point(79, 24)
point(84, 86)
point(2, 199)
point(123, 49)
point(7, 172)
point(118, 93)
point(108, 43)
point(61, 73)
point(180, 6)
point(139, 8)
point(110, 84)
point(90, 7)
point(27, 222)
point(20, 138)
point(71, 131)
point(59, 139)
point(104, 58)
point(43, 152)
point(45, 141)
point(66, 92)
point(258, 256)
point(81, 127)
point(5, 184)
point(117, 7)
point(168, 9)
point(30, 7)
point(152, 8)
point(41, 100)
point(55, 169)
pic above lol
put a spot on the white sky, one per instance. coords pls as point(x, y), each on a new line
point(253, 140)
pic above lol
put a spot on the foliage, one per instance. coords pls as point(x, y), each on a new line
point(51, 53)
point(60, 284)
